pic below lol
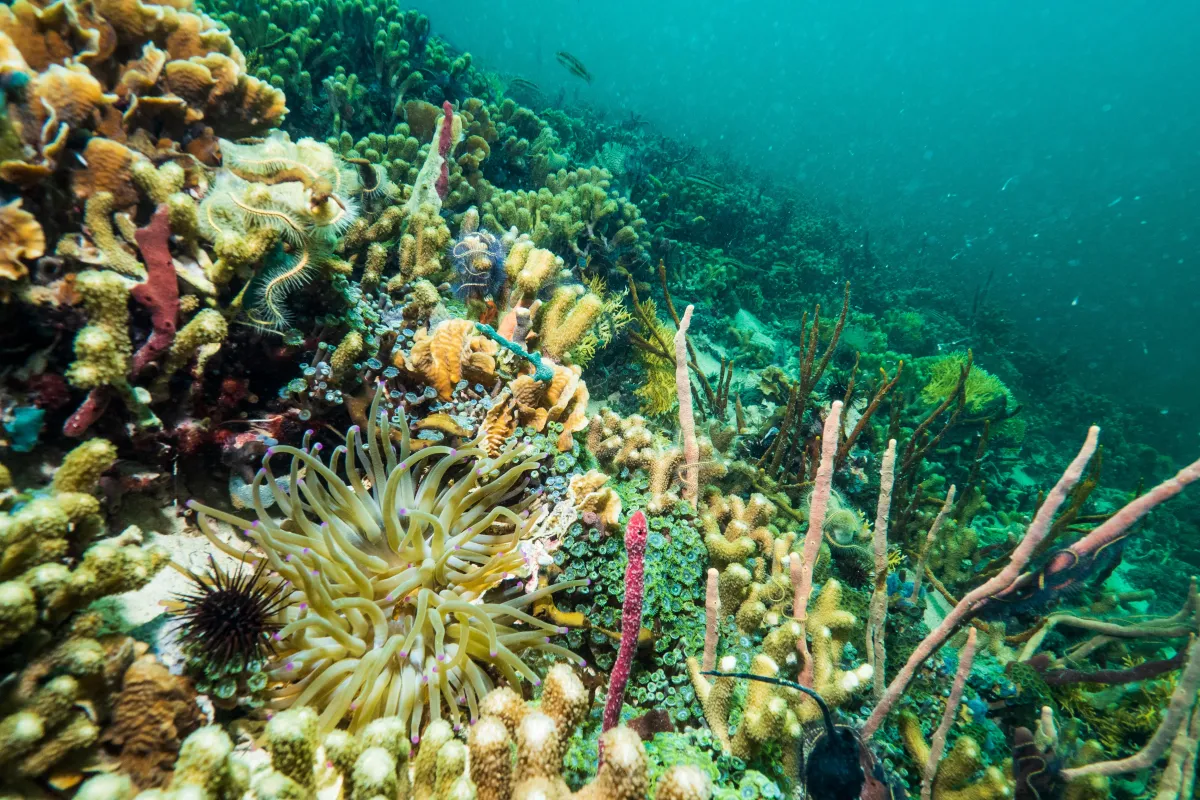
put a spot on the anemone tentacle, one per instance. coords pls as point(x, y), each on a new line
point(386, 555)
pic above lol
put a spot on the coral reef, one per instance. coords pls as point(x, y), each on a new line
point(387, 345)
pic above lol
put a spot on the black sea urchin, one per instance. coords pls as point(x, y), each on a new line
point(226, 622)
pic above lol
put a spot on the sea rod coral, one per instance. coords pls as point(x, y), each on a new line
point(389, 553)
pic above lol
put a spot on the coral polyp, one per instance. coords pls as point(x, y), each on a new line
point(389, 554)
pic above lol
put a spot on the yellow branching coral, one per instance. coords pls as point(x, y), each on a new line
point(627, 443)
point(956, 773)
point(389, 555)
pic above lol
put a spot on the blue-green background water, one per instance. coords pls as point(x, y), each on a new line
point(1052, 145)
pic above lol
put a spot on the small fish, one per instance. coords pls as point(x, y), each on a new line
point(522, 85)
point(707, 183)
point(573, 65)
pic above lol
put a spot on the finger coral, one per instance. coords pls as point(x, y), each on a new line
point(51, 554)
point(58, 704)
point(389, 555)
point(378, 762)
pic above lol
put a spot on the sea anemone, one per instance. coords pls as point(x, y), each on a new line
point(226, 622)
point(392, 557)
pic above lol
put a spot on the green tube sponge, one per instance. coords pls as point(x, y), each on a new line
point(342, 361)
point(425, 764)
point(46, 581)
point(391, 733)
point(79, 734)
point(292, 742)
point(18, 612)
point(54, 702)
point(19, 733)
point(451, 772)
point(342, 749)
point(208, 327)
point(374, 775)
point(102, 348)
point(107, 787)
point(277, 786)
point(204, 763)
point(83, 466)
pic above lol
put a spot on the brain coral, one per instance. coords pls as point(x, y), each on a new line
point(390, 554)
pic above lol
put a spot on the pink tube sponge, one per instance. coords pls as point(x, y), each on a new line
point(631, 616)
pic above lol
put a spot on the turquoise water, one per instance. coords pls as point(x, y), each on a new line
point(1050, 145)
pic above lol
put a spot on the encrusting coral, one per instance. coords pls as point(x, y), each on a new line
point(21, 239)
point(410, 553)
point(190, 72)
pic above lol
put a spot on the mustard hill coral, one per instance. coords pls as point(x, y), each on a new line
point(43, 583)
point(60, 701)
point(21, 239)
point(386, 611)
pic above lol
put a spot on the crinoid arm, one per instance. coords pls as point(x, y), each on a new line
point(390, 554)
point(266, 297)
